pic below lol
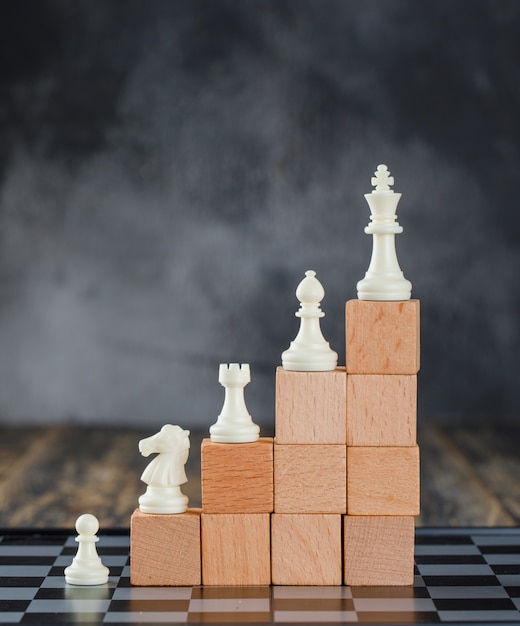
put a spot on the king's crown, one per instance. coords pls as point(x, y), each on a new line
point(382, 181)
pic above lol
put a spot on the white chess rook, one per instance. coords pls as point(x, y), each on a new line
point(234, 424)
point(310, 352)
point(384, 279)
point(86, 567)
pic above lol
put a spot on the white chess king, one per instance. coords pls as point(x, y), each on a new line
point(384, 279)
point(310, 352)
point(234, 424)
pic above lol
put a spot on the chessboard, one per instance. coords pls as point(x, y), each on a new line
point(462, 576)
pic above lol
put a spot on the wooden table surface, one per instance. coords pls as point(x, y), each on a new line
point(50, 475)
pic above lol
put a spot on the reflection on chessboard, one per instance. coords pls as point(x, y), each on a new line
point(462, 576)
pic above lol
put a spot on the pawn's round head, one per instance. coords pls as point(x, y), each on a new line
point(87, 524)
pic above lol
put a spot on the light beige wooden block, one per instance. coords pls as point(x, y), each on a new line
point(382, 337)
point(236, 549)
point(311, 406)
point(237, 477)
point(310, 478)
point(383, 480)
point(381, 410)
point(165, 549)
point(378, 550)
point(306, 549)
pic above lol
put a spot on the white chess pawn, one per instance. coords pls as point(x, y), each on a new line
point(310, 352)
point(165, 474)
point(86, 567)
point(384, 279)
point(234, 424)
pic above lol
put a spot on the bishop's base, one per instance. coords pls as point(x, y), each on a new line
point(310, 358)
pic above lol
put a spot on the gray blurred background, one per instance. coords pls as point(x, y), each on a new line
point(170, 169)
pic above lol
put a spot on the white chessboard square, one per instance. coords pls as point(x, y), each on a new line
point(10, 617)
point(317, 617)
point(479, 616)
point(328, 593)
point(230, 605)
point(30, 551)
point(76, 605)
point(152, 593)
point(146, 617)
point(393, 605)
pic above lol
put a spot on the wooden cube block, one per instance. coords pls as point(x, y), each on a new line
point(311, 406)
point(236, 549)
point(382, 337)
point(237, 477)
point(378, 550)
point(306, 549)
point(381, 410)
point(383, 481)
point(165, 549)
point(310, 478)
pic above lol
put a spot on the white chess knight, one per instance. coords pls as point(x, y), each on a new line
point(384, 279)
point(165, 473)
point(234, 424)
point(310, 352)
point(86, 567)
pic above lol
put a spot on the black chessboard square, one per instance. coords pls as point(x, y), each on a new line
point(463, 577)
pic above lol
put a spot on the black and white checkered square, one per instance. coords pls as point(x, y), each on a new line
point(463, 576)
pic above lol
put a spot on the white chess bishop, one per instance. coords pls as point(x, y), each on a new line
point(165, 473)
point(310, 352)
point(384, 279)
point(234, 424)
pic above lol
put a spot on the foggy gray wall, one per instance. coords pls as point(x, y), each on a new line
point(169, 170)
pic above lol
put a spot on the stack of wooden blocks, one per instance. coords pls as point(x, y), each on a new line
point(383, 492)
point(346, 461)
point(331, 500)
point(237, 502)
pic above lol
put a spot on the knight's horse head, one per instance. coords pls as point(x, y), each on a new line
point(168, 438)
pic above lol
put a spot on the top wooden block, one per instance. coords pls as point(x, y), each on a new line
point(382, 337)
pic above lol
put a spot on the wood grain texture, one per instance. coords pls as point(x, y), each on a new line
point(50, 475)
point(310, 478)
point(381, 410)
point(311, 406)
point(236, 549)
point(493, 470)
point(165, 550)
point(382, 337)
point(237, 477)
point(470, 487)
point(378, 550)
point(383, 481)
point(306, 549)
